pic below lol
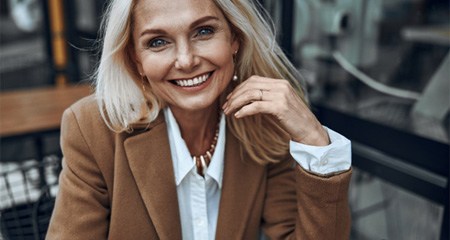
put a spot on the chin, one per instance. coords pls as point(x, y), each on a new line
point(197, 105)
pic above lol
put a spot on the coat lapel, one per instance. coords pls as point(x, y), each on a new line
point(149, 157)
point(241, 180)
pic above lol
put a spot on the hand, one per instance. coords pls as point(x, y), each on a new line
point(260, 95)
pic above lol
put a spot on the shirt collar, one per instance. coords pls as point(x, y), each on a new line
point(182, 160)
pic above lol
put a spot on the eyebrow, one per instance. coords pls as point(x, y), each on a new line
point(193, 24)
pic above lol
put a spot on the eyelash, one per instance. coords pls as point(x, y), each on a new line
point(209, 28)
point(159, 42)
point(152, 43)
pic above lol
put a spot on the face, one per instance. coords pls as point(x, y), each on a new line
point(185, 49)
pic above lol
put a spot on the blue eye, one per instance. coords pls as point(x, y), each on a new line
point(205, 31)
point(156, 43)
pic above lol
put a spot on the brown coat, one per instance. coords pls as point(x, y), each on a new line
point(122, 186)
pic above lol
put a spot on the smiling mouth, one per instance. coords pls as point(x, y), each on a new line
point(193, 82)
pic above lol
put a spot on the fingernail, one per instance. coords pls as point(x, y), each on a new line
point(237, 114)
point(224, 108)
point(224, 105)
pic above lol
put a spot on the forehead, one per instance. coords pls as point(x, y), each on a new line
point(169, 12)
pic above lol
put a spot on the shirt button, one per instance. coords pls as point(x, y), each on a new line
point(200, 222)
point(324, 162)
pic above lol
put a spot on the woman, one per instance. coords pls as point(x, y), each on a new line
point(188, 135)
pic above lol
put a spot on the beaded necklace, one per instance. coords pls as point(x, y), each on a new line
point(202, 161)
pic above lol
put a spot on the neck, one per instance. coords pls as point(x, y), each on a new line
point(197, 127)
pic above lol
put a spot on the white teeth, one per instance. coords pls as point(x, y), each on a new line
point(192, 82)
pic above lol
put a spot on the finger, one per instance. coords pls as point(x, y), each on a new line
point(245, 98)
point(251, 95)
point(254, 108)
point(242, 90)
point(250, 92)
point(254, 82)
point(268, 84)
point(239, 90)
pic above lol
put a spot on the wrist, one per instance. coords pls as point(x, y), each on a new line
point(316, 137)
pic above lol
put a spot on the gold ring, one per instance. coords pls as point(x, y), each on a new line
point(261, 97)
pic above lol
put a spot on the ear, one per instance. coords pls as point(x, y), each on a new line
point(235, 40)
point(131, 52)
point(140, 68)
point(235, 46)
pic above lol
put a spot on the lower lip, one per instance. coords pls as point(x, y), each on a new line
point(198, 87)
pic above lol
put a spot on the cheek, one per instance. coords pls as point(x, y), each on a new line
point(221, 57)
point(155, 67)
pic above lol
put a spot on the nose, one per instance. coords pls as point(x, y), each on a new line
point(186, 59)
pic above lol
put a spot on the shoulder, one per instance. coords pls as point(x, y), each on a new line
point(86, 113)
point(85, 109)
point(85, 137)
point(84, 116)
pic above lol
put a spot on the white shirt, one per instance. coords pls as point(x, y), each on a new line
point(203, 194)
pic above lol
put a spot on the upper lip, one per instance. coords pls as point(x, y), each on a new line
point(186, 78)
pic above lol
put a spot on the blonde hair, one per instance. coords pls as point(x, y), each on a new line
point(123, 103)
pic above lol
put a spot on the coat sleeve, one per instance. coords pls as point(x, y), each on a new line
point(82, 204)
point(301, 205)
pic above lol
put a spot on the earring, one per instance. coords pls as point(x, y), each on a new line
point(235, 77)
point(143, 82)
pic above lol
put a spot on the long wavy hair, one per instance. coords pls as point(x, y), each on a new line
point(123, 103)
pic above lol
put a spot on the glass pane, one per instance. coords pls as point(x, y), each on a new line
point(23, 51)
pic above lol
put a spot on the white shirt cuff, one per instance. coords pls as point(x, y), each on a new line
point(324, 160)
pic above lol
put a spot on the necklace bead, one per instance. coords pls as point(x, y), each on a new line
point(203, 161)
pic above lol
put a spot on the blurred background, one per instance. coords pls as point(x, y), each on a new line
point(377, 71)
